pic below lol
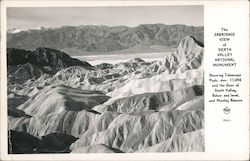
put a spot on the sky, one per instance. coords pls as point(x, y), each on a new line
point(35, 17)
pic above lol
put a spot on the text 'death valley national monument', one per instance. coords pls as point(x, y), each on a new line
point(105, 79)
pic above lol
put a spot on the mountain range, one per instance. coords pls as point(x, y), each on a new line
point(88, 39)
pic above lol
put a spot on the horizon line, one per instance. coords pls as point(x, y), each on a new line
point(56, 27)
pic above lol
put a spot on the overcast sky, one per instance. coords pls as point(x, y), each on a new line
point(28, 18)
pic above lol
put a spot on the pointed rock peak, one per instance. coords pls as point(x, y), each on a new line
point(188, 45)
point(187, 40)
point(197, 42)
point(190, 40)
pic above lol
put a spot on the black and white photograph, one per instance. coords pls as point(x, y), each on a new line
point(105, 79)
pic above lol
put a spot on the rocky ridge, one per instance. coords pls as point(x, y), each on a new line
point(87, 38)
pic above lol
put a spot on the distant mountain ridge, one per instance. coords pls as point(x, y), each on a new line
point(102, 38)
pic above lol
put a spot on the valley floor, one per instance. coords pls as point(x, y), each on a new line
point(119, 58)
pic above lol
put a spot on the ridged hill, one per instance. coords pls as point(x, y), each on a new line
point(56, 99)
point(103, 38)
point(23, 143)
point(24, 65)
point(130, 133)
point(151, 101)
point(191, 141)
point(188, 55)
point(42, 57)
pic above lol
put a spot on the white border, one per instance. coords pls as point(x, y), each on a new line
point(212, 116)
